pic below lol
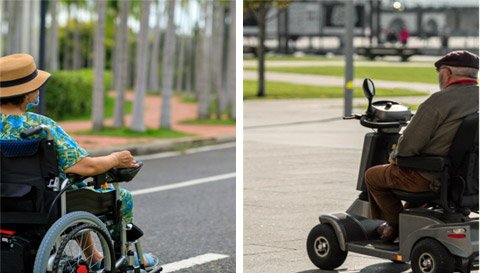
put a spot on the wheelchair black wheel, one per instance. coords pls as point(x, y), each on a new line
point(72, 252)
point(59, 231)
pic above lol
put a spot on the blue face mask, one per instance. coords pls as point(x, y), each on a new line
point(31, 106)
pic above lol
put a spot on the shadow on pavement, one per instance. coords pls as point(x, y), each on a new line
point(374, 268)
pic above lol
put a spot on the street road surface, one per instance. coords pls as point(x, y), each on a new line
point(185, 204)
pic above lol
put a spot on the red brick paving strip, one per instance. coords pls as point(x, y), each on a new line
point(180, 112)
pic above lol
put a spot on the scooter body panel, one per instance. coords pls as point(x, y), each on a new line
point(418, 224)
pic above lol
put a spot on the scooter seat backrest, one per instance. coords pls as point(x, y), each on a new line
point(464, 163)
point(27, 167)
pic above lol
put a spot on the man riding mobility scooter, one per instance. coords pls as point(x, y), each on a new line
point(48, 225)
point(441, 237)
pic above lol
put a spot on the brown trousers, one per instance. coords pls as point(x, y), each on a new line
point(381, 179)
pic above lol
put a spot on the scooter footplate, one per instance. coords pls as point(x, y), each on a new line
point(377, 248)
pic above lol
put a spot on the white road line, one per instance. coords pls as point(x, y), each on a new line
point(184, 184)
point(188, 151)
point(190, 262)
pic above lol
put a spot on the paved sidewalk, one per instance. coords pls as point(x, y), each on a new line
point(180, 112)
point(300, 160)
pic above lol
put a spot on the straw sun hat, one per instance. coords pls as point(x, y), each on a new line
point(19, 75)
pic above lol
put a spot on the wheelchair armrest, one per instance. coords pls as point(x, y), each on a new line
point(425, 163)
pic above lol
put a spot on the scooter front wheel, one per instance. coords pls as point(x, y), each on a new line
point(323, 248)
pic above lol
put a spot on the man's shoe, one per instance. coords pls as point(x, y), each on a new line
point(381, 228)
point(389, 233)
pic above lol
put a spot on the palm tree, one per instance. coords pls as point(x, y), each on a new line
point(157, 33)
point(121, 65)
point(138, 122)
point(231, 61)
point(202, 65)
point(168, 66)
point(53, 45)
point(99, 66)
point(217, 55)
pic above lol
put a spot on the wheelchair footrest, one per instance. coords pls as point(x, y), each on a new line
point(133, 233)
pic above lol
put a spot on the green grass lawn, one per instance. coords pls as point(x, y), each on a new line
point(108, 111)
point(406, 74)
point(126, 132)
point(281, 90)
point(210, 121)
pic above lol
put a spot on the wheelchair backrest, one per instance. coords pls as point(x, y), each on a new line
point(27, 167)
point(464, 163)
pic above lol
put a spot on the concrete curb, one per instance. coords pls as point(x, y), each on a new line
point(164, 145)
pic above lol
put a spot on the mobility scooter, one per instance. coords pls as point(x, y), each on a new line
point(439, 238)
point(49, 225)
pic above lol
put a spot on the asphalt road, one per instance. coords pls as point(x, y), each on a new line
point(182, 221)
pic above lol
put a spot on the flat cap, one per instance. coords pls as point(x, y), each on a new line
point(459, 58)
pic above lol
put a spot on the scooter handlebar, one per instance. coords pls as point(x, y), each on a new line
point(373, 124)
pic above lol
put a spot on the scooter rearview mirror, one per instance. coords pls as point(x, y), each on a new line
point(369, 91)
point(368, 88)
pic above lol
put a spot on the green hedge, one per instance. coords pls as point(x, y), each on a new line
point(69, 93)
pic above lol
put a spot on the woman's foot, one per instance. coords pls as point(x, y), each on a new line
point(149, 260)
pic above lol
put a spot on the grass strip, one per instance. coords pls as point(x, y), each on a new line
point(126, 132)
point(404, 74)
point(281, 90)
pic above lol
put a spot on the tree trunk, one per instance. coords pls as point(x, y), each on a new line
point(168, 67)
point(121, 63)
point(153, 78)
point(189, 67)
point(99, 66)
point(231, 61)
point(202, 68)
point(261, 50)
point(217, 56)
point(76, 40)
point(53, 45)
point(138, 121)
point(66, 45)
point(181, 64)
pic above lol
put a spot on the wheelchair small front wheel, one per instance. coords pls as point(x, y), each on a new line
point(69, 239)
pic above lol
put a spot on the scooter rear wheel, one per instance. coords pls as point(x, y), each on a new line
point(323, 248)
point(430, 256)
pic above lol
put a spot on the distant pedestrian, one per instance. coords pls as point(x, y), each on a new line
point(404, 35)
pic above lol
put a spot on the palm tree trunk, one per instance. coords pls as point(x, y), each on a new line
point(66, 40)
point(99, 66)
point(121, 65)
point(53, 45)
point(76, 40)
point(217, 56)
point(181, 64)
point(189, 67)
point(231, 61)
point(153, 78)
point(168, 67)
point(202, 68)
point(261, 51)
point(138, 121)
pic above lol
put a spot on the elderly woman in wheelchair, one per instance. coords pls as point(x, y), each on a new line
point(61, 210)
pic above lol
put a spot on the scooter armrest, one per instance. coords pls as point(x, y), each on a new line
point(425, 163)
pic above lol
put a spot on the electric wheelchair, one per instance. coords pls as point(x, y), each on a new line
point(49, 225)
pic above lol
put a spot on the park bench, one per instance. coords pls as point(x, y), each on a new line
point(373, 52)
